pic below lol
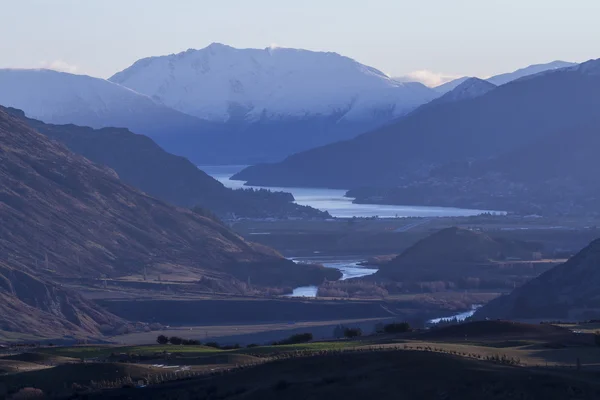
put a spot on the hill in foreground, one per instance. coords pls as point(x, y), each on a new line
point(377, 375)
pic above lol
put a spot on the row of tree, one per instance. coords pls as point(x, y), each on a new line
point(176, 340)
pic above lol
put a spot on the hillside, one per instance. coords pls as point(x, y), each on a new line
point(41, 309)
point(450, 253)
point(140, 162)
point(505, 119)
point(65, 217)
point(566, 292)
point(554, 175)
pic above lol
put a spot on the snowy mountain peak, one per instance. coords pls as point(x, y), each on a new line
point(223, 83)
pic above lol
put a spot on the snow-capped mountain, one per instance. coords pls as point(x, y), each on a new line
point(63, 98)
point(222, 83)
point(468, 89)
point(508, 77)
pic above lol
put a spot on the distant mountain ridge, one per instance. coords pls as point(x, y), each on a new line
point(468, 89)
point(221, 105)
point(502, 79)
point(504, 119)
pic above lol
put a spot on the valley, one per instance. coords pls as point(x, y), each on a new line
point(291, 223)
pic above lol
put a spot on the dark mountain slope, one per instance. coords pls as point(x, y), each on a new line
point(500, 121)
point(72, 218)
point(567, 291)
point(140, 162)
point(553, 175)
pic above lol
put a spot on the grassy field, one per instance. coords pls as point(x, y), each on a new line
point(54, 369)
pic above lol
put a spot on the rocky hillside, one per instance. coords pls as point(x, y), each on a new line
point(42, 309)
point(64, 216)
point(566, 292)
point(140, 162)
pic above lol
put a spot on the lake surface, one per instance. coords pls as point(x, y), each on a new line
point(333, 200)
point(347, 266)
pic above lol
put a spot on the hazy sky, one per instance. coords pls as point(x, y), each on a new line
point(440, 37)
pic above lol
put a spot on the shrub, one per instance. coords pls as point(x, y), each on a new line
point(162, 339)
point(230, 347)
point(352, 332)
point(338, 331)
point(251, 345)
point(296, 339)
point(397, 327)
point(28, 393)
point(175, 340)
point(281, 385)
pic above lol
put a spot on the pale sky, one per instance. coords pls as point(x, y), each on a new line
point(444, 38)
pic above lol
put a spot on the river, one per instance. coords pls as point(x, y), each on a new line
point(333, 200)
point(348, 266)
point(458, 317)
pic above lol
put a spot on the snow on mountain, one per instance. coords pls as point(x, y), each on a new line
point(63, 98)
point(468, 89)
point(531, 70)
point(222, 83)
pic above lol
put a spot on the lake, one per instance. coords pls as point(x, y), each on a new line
point(333, 200)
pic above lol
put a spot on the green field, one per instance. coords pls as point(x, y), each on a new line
point(86, 352)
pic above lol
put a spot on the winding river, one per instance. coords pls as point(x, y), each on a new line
point(348, 267)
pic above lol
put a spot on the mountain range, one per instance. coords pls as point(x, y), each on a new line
point(65, 218)
point(502, 79)
point(222, 105)
point(539, 110)
point(140, 162)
